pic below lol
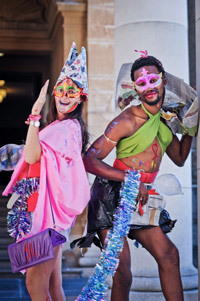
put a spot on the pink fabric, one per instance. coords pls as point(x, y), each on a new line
point(62, 167)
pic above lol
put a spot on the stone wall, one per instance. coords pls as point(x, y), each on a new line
point(100, 65)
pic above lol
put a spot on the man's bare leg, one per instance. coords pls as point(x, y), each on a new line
point(167, 257)
point(123, 278)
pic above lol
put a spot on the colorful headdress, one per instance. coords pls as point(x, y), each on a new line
point(75, 68)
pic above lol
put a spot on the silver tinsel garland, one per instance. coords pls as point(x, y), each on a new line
point(25, 222)
point(96, 286)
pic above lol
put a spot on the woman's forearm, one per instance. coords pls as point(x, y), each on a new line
point(32, 145)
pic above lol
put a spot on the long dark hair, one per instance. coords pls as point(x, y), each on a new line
point(76, 114)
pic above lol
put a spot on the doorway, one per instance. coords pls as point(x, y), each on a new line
point(22, 87)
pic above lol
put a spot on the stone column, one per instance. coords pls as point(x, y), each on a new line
point(101, 109)
point(100, 65)
point(160, 27)
point(197, 23)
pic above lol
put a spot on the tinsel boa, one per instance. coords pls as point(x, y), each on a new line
point(25, 222)
point(96, 286)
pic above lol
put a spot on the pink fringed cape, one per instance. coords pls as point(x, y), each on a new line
point(62, 166)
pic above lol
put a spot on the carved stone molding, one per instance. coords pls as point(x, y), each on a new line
point(35, 25)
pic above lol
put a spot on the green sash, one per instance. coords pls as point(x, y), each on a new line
point(144, 137)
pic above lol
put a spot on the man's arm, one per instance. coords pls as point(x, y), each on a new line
point(178, 151)
point(99, 150)
point(118, 128)
point(94, 164)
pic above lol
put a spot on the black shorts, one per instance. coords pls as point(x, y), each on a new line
point(104, 201)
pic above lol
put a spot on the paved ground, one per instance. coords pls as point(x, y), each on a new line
point(15, 289)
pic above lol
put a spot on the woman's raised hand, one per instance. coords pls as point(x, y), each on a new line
point(38, 105)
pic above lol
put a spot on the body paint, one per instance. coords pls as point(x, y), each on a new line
point(93, 150)
point(147, 163)
point(153, 164)
point(113, 124)
point(134, 160)
point(140, 163)
point(155, 151)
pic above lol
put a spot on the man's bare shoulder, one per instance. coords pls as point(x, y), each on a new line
point(126, 123)
point(125, 118)
point(132, 114)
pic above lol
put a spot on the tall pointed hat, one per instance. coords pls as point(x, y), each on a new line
point(75, 68)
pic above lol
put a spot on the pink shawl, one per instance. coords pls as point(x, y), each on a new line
point(62, 167)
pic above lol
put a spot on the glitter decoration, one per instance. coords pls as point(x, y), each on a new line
point(96, 286)
point(25, 222)
point(32, 185)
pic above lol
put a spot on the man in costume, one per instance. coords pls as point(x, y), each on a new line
point(141, 138)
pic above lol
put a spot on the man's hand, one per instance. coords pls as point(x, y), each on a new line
point(142, 196)
point(38, 105)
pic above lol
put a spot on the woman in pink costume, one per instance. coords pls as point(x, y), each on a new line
point(52, 164)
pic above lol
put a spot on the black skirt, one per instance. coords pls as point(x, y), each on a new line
point(103, 203)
